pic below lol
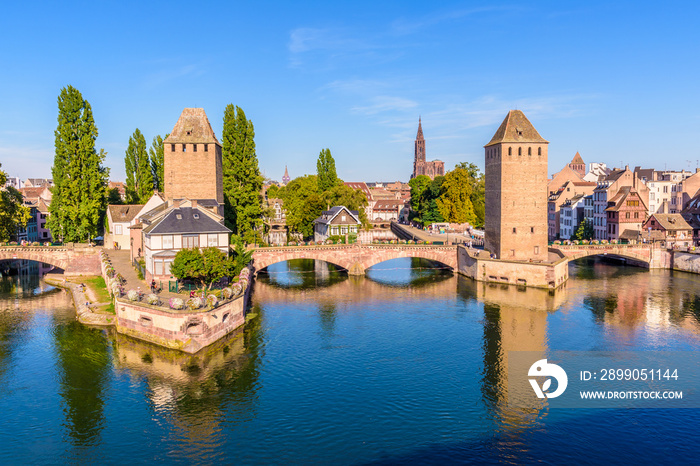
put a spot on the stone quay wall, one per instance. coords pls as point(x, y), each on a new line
point(686, 262)
point(477, 264)
point(184, 330)
point(187, 331)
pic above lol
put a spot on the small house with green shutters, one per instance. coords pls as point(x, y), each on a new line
point(339, 220)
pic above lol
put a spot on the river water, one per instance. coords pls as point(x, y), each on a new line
point(405, 365)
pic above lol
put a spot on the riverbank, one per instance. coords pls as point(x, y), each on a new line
point(85, 305)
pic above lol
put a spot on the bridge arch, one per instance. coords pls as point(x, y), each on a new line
point(34, 255)
point(638, 254)
point(356, 259)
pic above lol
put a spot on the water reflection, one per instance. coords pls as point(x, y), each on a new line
point(84, 364)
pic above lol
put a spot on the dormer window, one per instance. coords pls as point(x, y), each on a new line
point(195, 216)
point(188, 133)
point(178, 216)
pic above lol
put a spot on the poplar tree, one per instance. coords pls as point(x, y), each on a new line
point(156, 154)
point(79, 194)
point(139, 178)
point(325, 170)
point(242, 179)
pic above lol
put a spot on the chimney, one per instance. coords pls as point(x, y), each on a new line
point(194, 203)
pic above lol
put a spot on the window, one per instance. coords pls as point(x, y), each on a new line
point(627, 215)
point(636, 215)
point(184, 148)
point(529, 151)
point(117, 229)
point(520, 151)
point(539, 151)
point(532, 229)
point(167, 241)
point(510, 151)
point(190, 241)
point(206, 147)
point(172, 147)
point(343, 218)
point(212, 240)
point(514, 230)
point(194, 147)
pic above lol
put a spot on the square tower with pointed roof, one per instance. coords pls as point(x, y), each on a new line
point(192, 166)
point(516, 191)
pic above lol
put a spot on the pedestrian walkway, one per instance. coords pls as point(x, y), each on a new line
point(121, 261)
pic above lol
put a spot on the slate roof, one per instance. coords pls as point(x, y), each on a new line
point(124, 213)
point(192, 127)
point(516, 128)
point(184, 220)
point(328, 215)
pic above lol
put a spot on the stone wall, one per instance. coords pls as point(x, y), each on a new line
point(478, 266)
point(188, 331)
point(686, 262)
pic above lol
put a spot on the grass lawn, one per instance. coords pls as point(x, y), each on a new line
point(97, 285)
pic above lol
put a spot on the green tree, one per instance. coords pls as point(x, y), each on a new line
point(454, 203)
point(418, 186)
point(80, 179)
point(478, 191)
point(241, 256)
point(431, 212)
point(113, 197)
point(325, 170)
point(242, 179)
point(302, 204)
point(273, 192)
point(156, 154)
point(204, 266)
point(139, 178)
point(584, 230)
point(12, 213)
point(353, 199)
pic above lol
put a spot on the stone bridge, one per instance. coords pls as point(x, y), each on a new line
point(355, 258)
point(645, 255)
point(75, 260)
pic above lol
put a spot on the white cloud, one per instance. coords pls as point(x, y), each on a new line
point(383, 103)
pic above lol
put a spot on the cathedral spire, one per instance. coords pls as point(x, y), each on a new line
point(420, 130)
point(285, 178)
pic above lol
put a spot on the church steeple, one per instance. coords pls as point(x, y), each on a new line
point(285, 178)
point(420, 130)
point(419, 152)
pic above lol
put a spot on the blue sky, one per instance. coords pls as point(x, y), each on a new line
point(616, 81)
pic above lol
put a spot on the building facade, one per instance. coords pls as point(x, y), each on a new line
point(338, 221)
point(516, 191)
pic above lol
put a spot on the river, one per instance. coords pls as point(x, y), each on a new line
point(405, 365)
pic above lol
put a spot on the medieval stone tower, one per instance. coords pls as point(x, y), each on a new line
point(516, 191)
point(192, 166)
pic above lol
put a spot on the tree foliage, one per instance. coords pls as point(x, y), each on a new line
point(79, 194)
point(241, 256)
point(304, 203)
point(156, 154)
point(325, 171)
point(584, 230)
point(273, 192)
point(114, 197)
point(457, 197)
point(139, 178)
point(206, 266)
point(242, 179)
point(454, 203)
point(12, 213)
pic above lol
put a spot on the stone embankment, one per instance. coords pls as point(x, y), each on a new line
point(82, 302)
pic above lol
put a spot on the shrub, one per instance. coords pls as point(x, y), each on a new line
point(212, 301)
point(237, 289)
point(176, 303)
point(116, 291)
point(227, 292)
point(132, 295)
point(194, 303)
point(152, 299)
